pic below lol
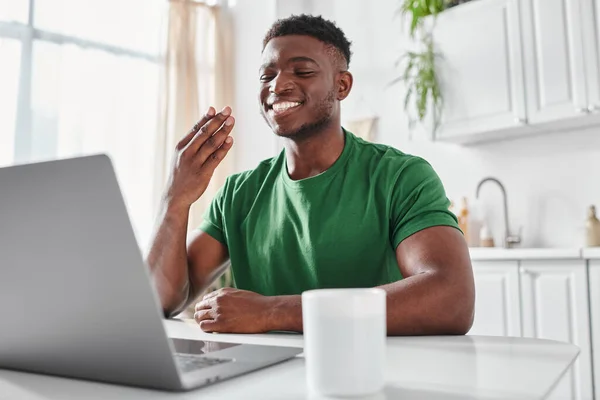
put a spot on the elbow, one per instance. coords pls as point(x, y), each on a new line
point(173, 310)
point(462, 323)
point(169, 311)
point(462, 315)
point(175, 306)
point(172, 301)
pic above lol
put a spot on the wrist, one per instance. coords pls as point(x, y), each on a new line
point(284, 313)
point(173, 205)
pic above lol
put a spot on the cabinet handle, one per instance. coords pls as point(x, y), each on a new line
point(521, 121)
point(525, 271)
point(583, 110)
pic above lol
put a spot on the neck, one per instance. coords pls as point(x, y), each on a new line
point(313, 155)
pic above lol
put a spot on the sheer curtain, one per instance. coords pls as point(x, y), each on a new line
point(197, 74)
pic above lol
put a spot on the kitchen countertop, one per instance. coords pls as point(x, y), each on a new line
point(591, 253)
point(498, 253)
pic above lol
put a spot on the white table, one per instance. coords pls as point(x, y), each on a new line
point(435, 367)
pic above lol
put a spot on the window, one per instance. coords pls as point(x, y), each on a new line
point(82, 77)
point(10, 54)
point(14, 10)
point(130, 24)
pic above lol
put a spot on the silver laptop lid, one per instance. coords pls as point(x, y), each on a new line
point(75, 298)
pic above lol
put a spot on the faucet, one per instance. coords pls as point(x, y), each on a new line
point(509, 240)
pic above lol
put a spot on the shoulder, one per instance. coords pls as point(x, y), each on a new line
point(253, 179)
point(389, 162)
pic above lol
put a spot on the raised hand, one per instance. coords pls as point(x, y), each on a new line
point(197, 156)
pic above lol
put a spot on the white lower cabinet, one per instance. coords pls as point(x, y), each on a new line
point(555, 306)
point(497, 308)
point(545, 299)
point(594, 287)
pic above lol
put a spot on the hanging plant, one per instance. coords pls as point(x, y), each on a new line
point(419, 9)
point(419, 75)
point(422, 86)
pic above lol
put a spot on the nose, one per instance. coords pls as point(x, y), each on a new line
point(281, 84)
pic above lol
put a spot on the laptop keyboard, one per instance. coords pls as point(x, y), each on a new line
point(193, 362)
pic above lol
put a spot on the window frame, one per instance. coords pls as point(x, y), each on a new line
point(27, 34)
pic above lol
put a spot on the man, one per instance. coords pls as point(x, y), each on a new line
point(330, 211)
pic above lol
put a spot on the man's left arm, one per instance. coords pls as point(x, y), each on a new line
point(436, 296)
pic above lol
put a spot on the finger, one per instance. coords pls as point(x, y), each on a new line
point(215, 158)
point(213, 143)
point(217, 292)
point(208, 301)
point(202, 315)
point(202, 305)
point(210, 113)
point(206, 131)
point(210, 325)
point(210, 295)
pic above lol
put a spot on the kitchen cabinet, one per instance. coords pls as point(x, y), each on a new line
point(590, 25)
point(480, 69)
point(554, 60)
point(508, 68)
point(594, 288)
point(497, 308)
point(554, 305)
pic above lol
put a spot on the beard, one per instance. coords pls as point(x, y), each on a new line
point(323, 112)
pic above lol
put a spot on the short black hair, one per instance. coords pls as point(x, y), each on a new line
point(315, 26)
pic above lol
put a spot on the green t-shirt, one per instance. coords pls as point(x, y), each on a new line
point(335, 230)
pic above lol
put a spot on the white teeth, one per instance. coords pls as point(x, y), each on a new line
point(285, 105)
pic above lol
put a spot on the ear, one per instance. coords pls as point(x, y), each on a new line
point(345, 80)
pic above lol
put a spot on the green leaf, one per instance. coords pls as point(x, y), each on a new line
point(408, 70)
point(407, 98)
point(413, 25)
point(396, 80)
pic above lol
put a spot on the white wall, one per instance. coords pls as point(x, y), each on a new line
point(550, 179)
point(253, 139)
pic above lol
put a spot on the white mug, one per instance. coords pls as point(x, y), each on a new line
point(344, 341)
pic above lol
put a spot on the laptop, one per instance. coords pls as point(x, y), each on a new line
point(76, 299)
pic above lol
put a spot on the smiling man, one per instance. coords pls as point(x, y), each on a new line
point(330, 211)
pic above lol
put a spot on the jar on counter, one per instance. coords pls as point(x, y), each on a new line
point(592, 227)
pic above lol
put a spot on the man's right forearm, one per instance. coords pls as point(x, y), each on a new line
point(167, 258)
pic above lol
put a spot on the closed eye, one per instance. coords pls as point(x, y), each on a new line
point(305, 73)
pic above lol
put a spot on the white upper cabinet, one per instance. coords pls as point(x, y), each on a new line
point(591, 44)
point(512, 67)
point(480, 68)
point(554, 61)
